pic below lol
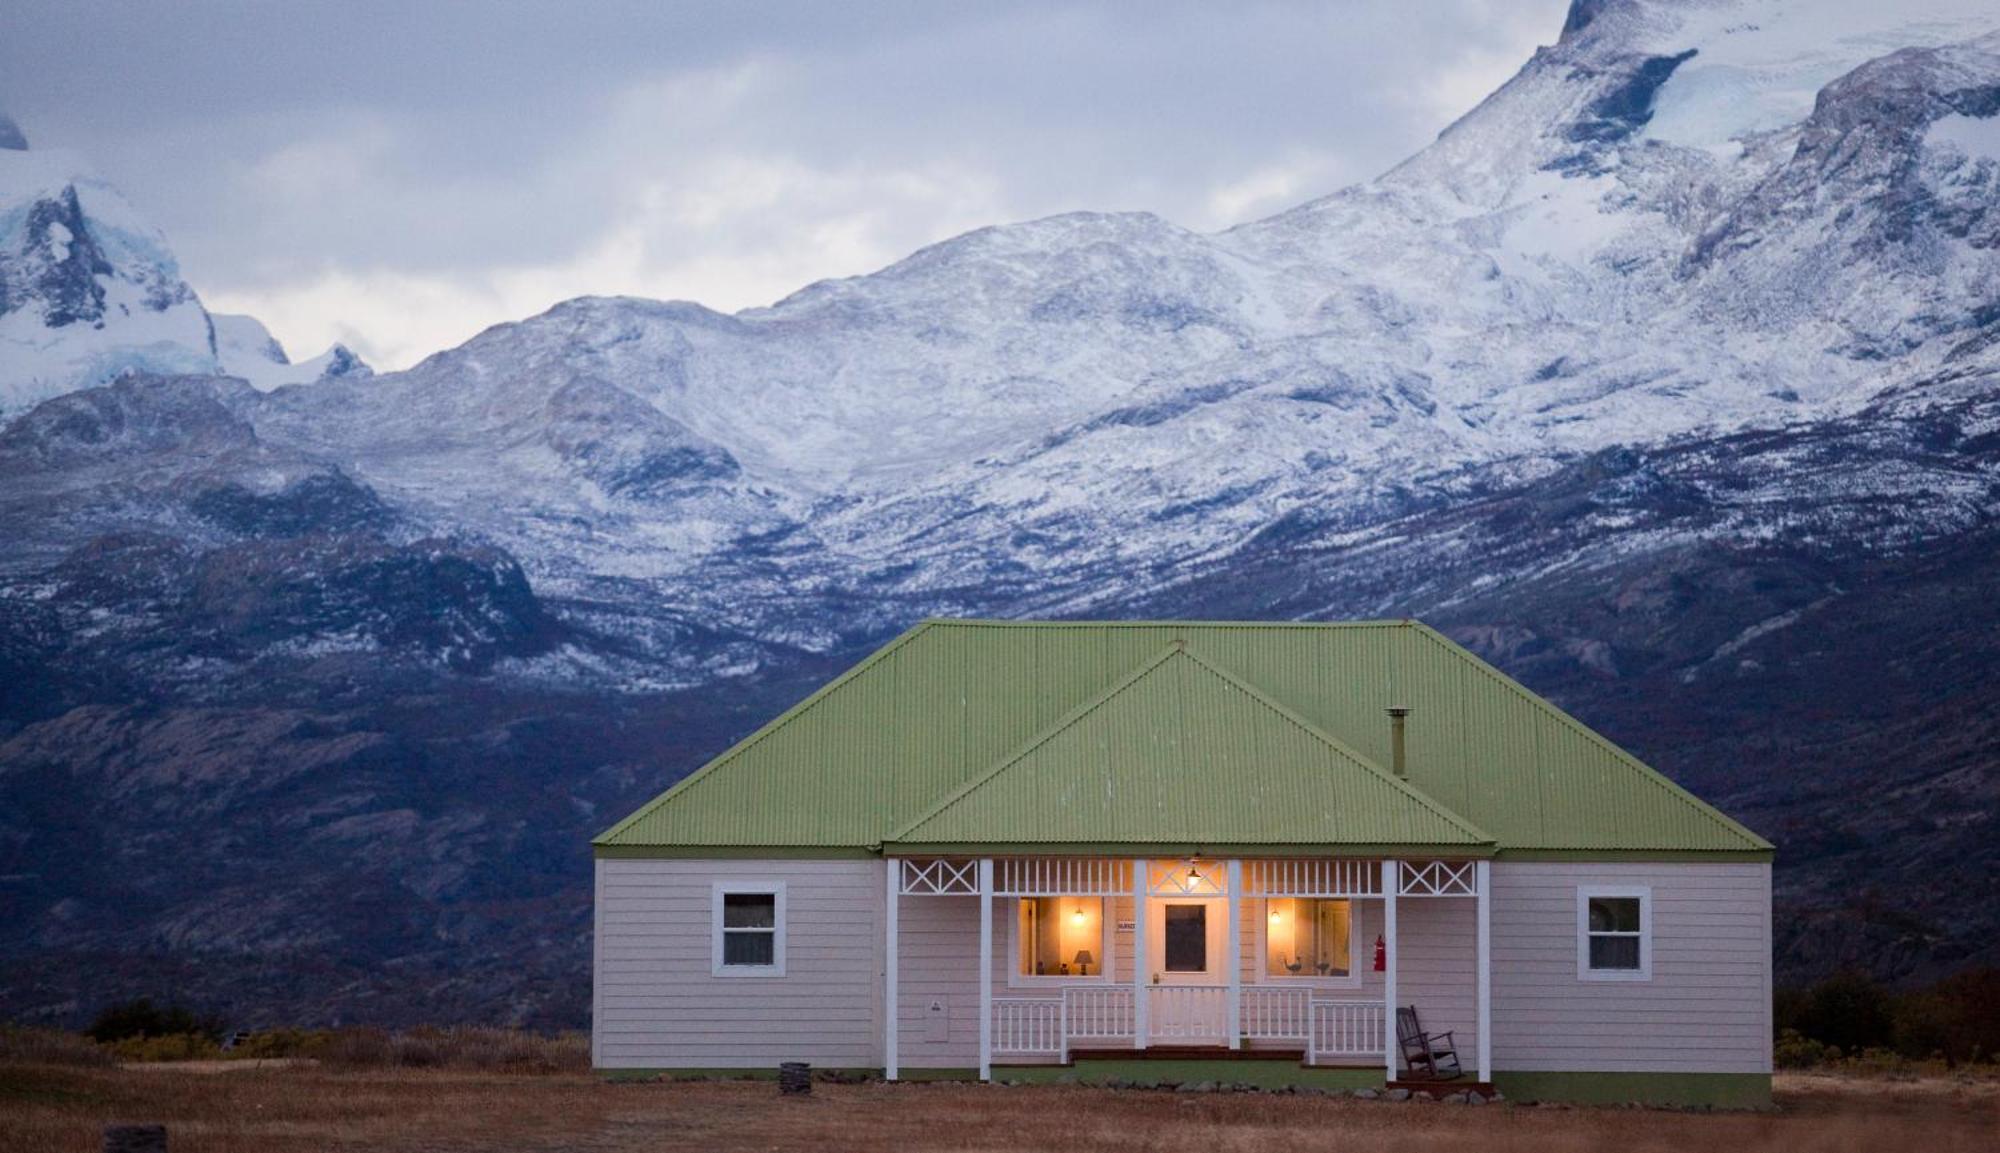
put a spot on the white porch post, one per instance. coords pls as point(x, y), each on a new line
point(985, 968)
point(1392, 880)
point(1232, 956)
point(891, 1007)
point(1482, 873)
point(1141, 872)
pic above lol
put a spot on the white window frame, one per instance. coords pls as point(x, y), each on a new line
point(773, 889)
point(1107, 964)
point(1584, 895)
point(1354, 960)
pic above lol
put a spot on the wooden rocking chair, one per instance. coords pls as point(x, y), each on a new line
point(1426, 1056)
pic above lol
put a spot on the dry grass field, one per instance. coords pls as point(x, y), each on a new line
point(215, 1107)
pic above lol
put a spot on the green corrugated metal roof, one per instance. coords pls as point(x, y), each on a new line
point(945, 703)
point(1181, 753)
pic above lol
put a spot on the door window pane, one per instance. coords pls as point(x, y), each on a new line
point(1187, 938)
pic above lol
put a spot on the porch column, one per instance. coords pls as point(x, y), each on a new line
point(1482, 873)
point(1232, 957)
point(1392, 880)
point(1142, 870)
point(891, 1007)
point(985, 968)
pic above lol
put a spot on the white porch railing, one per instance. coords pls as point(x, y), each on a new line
point(1027, 1025)
point(1276, 1014)
point(1094, 1014)
point(1346, 1029)
point(1187, 1014)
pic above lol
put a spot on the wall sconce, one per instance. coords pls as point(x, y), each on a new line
point(1077, 916)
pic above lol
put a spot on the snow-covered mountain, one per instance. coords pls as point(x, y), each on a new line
point(89, 291)
point(1675, 356)
point(1682, 218)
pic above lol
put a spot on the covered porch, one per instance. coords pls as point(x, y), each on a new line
point(1203, 955)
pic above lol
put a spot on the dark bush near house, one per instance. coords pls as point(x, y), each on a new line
point(142, 1018)
point(1849, 1012)
point(1849, 1017)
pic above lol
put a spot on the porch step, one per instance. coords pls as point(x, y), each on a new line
point(1440, 1088)
point(1187, 1053)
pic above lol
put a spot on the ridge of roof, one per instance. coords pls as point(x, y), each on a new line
point(1167, 653)
point(1098, 623)
point(1041, 738)
point(1639, 768)
point(1440, 808)
point(764, 730)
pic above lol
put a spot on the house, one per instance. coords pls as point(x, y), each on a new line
point(1088, 850)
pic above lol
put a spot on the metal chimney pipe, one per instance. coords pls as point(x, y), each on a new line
point(1397, 763)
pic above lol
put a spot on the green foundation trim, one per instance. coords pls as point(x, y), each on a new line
point(722, 1074)
point(1721, 1090)
point(1263, 1074)
point(908, 1074)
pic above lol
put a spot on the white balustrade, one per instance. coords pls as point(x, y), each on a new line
point(1311, 877)
point(1193, 1013)
point(1276, 1014)
point(1027, 1025)
point(1098, 1014)
point(1186, 1014)
point(1346, 1029)
point(1062, 877)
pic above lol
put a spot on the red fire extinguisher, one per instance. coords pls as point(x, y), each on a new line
point(1381, 953)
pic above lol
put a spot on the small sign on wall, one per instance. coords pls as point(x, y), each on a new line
point(937, 1022)
point(1127, 926)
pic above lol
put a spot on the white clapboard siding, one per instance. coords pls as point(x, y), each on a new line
point(659, 1004)
point(1707, 1007)
point(939, 961)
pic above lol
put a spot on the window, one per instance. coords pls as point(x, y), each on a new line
point(1614, 934)
point(1309, 937)
point(749, 926)
point(1061, 937)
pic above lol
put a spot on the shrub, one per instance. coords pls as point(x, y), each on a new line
point(142, 1018)
point(49, 1047)
point(274, 1043)
point(1794, 1050)
point(357, 1048)
point(1956, 1021)
point(1849, 1011)
point(506, 1050)
point(170, 1047)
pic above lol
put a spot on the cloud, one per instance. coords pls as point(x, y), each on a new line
point(398, 177)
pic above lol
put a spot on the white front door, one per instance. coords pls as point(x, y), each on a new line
point(1188, 993)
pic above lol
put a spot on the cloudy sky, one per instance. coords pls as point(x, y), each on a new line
point(398, 176)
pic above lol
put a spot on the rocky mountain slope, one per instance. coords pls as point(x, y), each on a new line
point(1665, 378)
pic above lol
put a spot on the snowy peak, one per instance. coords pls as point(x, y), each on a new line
point(245, 348)
point(90, 291)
